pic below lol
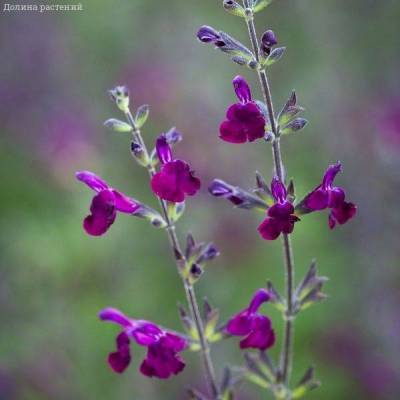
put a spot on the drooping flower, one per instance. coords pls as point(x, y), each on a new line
point(328, 196)
point(105, 204)
point(162, 358)
point(175, 180)
point(280, 216)
point(244, 120)
point(256, 328)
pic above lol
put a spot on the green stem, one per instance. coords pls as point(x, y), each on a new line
point(287, 343)
point(189, 289)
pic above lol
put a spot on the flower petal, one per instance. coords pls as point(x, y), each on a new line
point(242, 89)
point(269, 229)
point(164, 152)
point(147, 334)
point(278, 190)
point(120, 359)
point(232, 132)
point(102, 215)
point(124, 203)
point(318, 199)
point(261, 337)
point(344, 213)
point(330, 175)
point(260, 297)
point(116, 316)
point(92, 180)
point(240, 324)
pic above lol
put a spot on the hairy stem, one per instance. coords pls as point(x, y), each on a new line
point(287, 343)
point(189, 289)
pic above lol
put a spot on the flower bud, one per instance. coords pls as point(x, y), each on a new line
point(234, 8)
point(237, 196)
point(142, 113)
point(151, 215)
point(268, 39)
point(207, 34)
point(117, 126)
point(139, 154)
point(120, 95)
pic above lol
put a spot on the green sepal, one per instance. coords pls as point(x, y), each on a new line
point(175, 211)
point(275, 55)
point(306, 384)
point(234, 8)
point(142, 113)
point(259, 5)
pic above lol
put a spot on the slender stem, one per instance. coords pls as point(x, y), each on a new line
point(287, 343)
point(189, 289)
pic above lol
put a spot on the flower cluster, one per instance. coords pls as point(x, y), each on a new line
point(175, 179)
point(162, 358)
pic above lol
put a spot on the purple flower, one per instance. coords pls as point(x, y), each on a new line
point(268, 40)
point(245, 122)
point(280, 216)
point(255, 327)
point(328, 196)
point(162, 358)
point(175, 179)
point(105, 204)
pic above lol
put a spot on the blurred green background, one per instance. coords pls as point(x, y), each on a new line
point(343, 60)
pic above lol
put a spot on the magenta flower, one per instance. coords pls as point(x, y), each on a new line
point(105, 204)
point(245, 122)
point(256, 328)
point(280, 216)
point(328, 196)
point(175, 179)
point(162, 358)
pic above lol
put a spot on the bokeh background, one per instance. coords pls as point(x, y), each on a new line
point(343, 60)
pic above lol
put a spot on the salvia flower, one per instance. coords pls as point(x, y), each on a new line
point(256, 328)
point(328, 196)
point(162, 358)
point(105, 204)
point(244, 120)
point(175, 180)
point(280, 216)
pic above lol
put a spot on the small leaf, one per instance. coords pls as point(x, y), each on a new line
point(294, 126)
point(263, 191)
point(275, 56)
point(118, 126)
point(142, 114)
